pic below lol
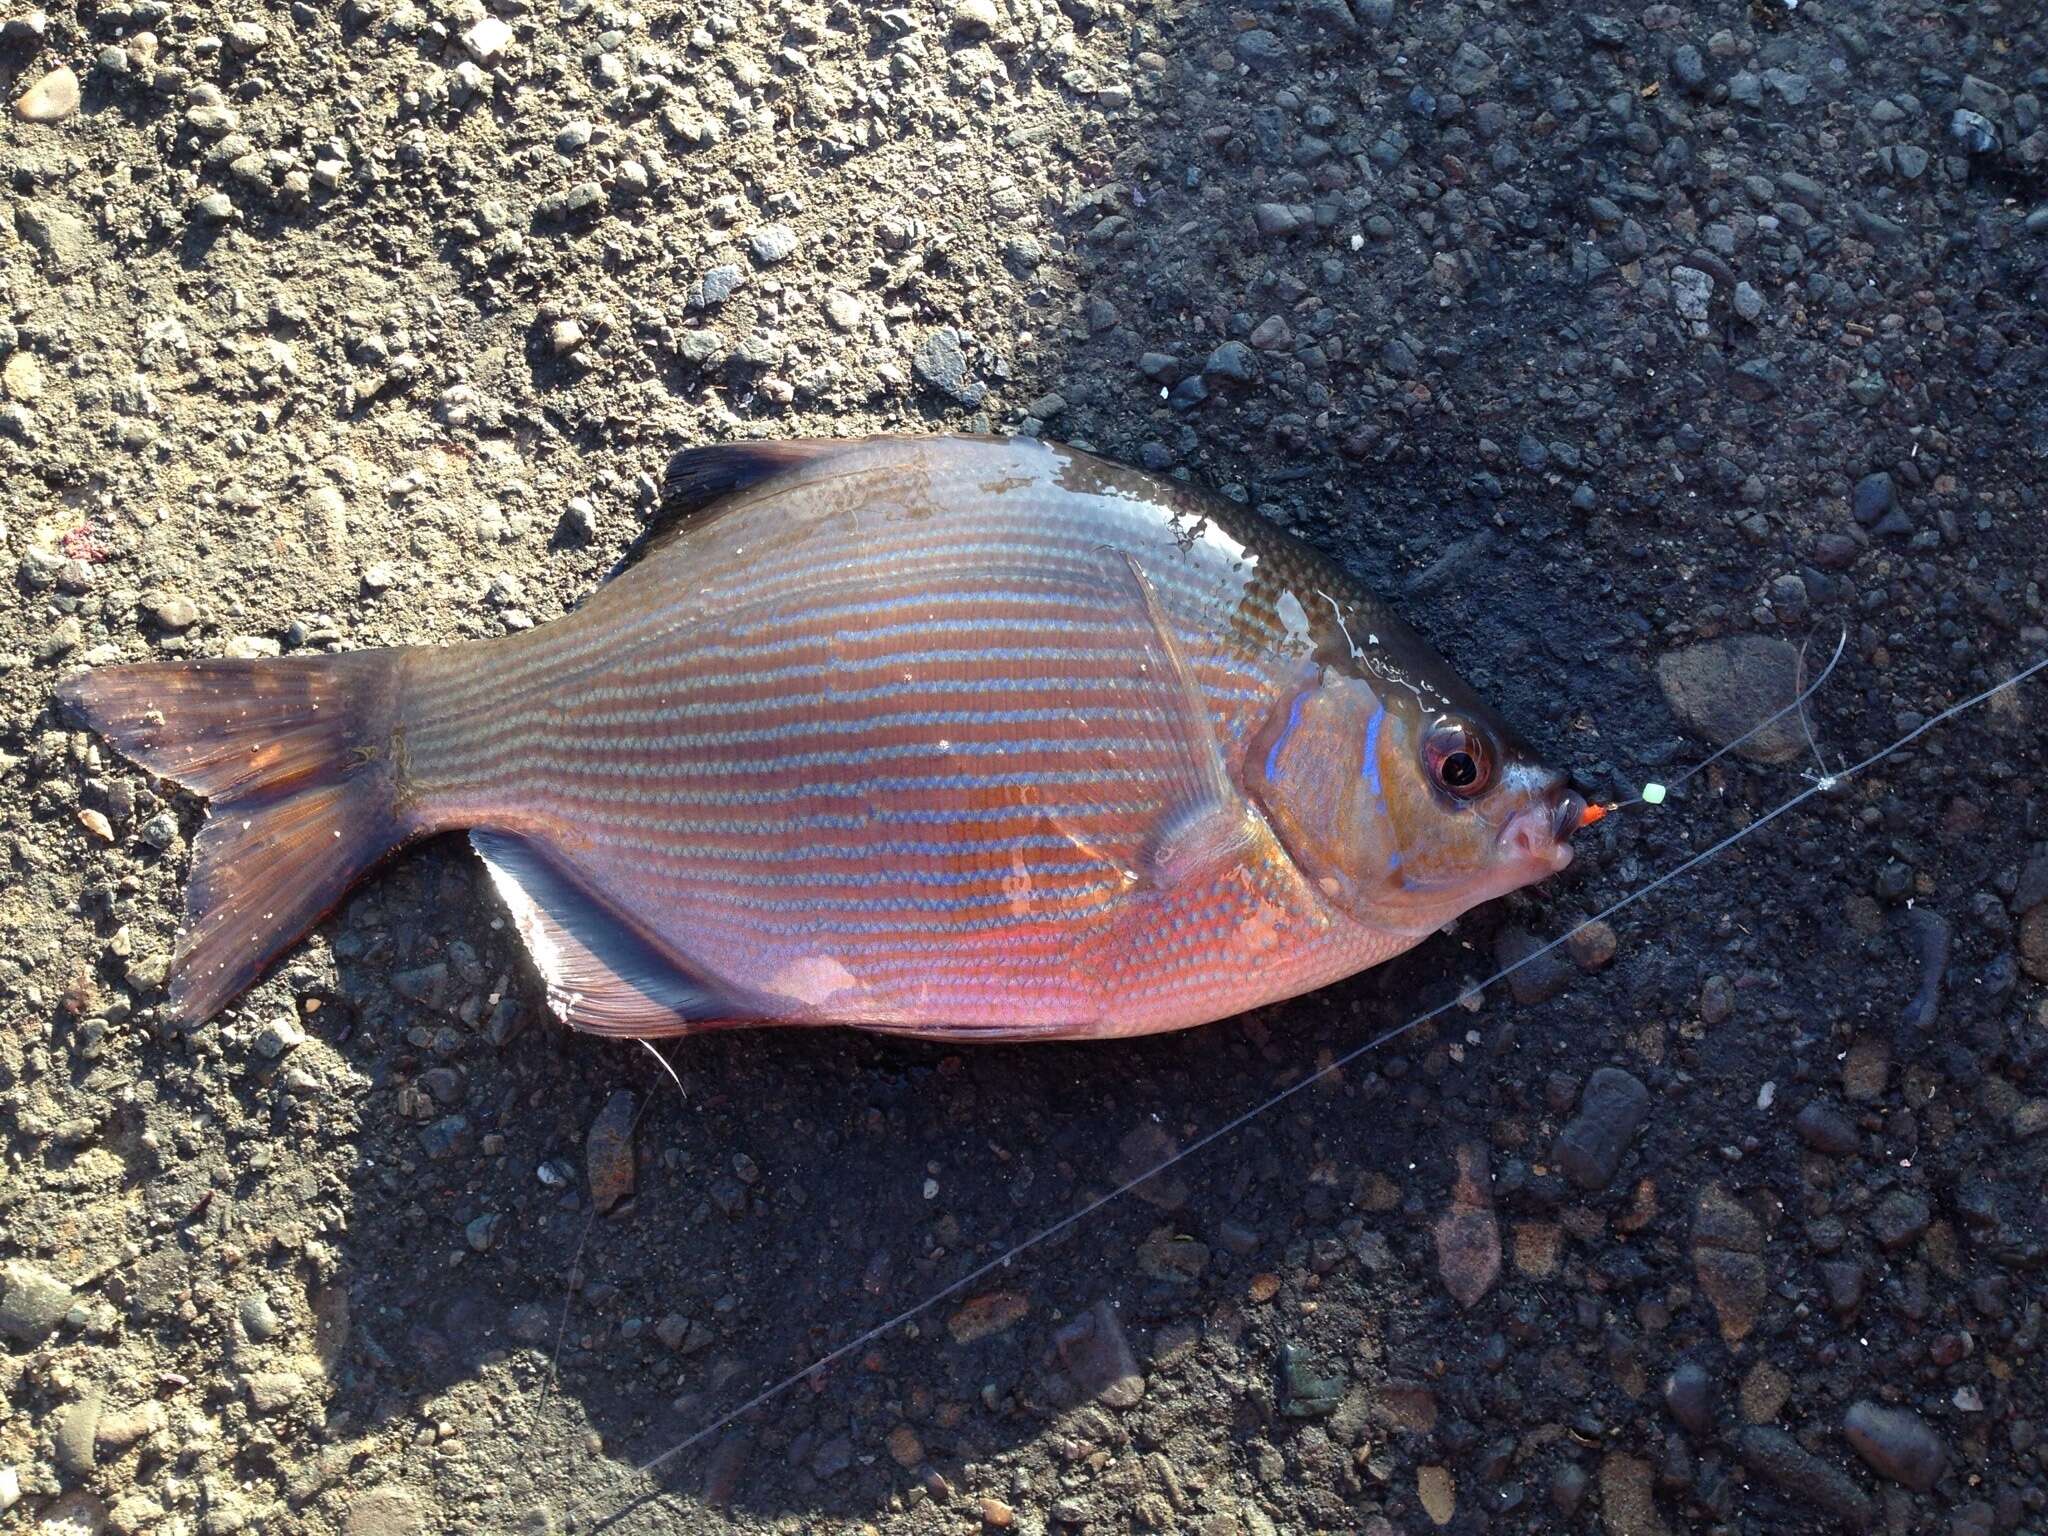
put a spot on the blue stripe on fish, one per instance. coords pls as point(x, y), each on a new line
point(1280, 741)
point(1371, 764)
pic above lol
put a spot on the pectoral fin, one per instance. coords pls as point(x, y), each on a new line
point(1214, 824)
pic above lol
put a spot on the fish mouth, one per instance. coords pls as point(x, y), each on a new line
point(1569, 816)
point(1539, 835)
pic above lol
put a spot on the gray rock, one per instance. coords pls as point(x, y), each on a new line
point(447, 1137)
point(1233, 360)
point(1538, 973)
point(1261, 49)
point(32, 1303)
point(1691, 293)
point(1756, 380)
point(61, 238)
point(1689, 1394)
point(1098, 1357)
point(1722, 688)
point(1973, 131)
point(1826, 1129)
point(1787, 1466)
point(259, 1319)
point(77, 1430)
point(1611, 1111)
point(771, 243)
point(1896, 1443)
point(975, 18)
point(1899, 1218)
point(1749, 304)
point(1874, 497)
point(714, 287)
point(939, 361)
point(1280, 218)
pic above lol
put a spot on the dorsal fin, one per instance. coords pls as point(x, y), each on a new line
point(697, 477)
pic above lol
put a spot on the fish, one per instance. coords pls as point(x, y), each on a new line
point(966, 738)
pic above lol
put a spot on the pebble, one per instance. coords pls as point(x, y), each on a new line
point(1782, 1462)
point(1611, 1110)
point(214, 208)
point(1722, 688)
point(1929, 935)
point(1688, 68)
point(846, 312)
point(564, 337)
point(975, 18)
point(1689, 1395)
point(170, 612)
point(608, 1151)
point(1896, 1443)
point(1592, 945)
point(1873, 499)
point(1899, 1218)
point(1098, 1357)
point(940, 362)
point(277, 1036)
point(1233, 360)
point(10, 1487)
point(771, 243)
point(259, 1318)
point(51, 99)
point(1467, 1233)
point(1539, 974)
point(983, 1316)
point(486, 39)
point(1304, 1392)
point(2033, 942)
point(75, 1514)
point(1692, 292)
point(1628, 1505)
point(32, 1303)
point(1727, 1254)
point(1437, 1492)
point(76, 1429)
point(446, 1137)
point(1826, 1129)
point(22, 377)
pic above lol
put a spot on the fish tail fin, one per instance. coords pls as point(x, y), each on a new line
point(302, 767)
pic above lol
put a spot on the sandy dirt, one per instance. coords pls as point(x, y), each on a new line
point(1624, 349)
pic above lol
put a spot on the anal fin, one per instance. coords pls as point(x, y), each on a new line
point(601, 977)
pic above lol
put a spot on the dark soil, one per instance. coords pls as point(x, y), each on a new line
point(1593, 338)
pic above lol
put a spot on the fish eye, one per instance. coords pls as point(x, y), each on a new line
point(1459, 763)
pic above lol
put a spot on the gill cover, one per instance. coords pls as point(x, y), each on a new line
point(1403, 814)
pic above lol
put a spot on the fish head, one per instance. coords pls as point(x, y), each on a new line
point(1407, 805)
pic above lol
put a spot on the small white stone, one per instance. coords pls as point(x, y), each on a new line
point(1653, 794)
point(487, 39)
point(10, 1488)
point(280, 1035)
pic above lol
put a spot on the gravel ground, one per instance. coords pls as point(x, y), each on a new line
point(1628, 349)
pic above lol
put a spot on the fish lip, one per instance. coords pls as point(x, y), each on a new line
point(1568, 816)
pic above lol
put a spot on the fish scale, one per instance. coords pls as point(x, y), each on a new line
point(951, 736)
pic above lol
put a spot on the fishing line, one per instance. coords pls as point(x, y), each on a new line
point(582, 1241)
point(1653, 793)
point(1237, 1122)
